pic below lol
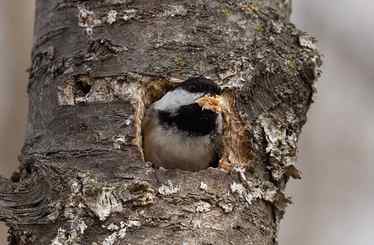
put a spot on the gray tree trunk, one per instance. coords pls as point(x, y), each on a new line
point(96, 65)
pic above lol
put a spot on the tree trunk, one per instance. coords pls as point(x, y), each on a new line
point(96, 66)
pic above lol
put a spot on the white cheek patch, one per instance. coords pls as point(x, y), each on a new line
point(174, 99)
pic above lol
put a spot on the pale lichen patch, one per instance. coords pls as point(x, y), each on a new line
point(202, 207)
point(55, 208)
point(119, 231)
point(251, 189)
point(227, 207)
point(307, 41)
point(203, 186)
point(134, 223)
point(119, 141)
point(239, 189)
point(123, 229)
point(81, 225)
point(111, 239)
point(75, 226)
point(60, 238)
point(129, 14)
point(75, 187)
point(105, 204)
point(112, 227)
point(87, 19)
point(111, 16)
point(103, 201)
point(175, 10)
point(72, 235)
point(249, 195)
point(168, 189)
point(281, 146)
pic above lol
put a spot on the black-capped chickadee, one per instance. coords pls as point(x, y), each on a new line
point(181, 130)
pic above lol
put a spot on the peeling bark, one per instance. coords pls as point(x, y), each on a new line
point(96, 65)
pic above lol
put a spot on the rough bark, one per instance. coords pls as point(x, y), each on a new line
point(97, 64)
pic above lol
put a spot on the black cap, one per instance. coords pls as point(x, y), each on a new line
point(200, 85)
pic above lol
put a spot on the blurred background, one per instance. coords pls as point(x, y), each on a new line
point(333, 203)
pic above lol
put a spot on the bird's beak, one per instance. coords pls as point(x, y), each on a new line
point(213, 103)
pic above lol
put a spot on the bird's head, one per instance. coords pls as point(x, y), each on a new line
point(192, 107)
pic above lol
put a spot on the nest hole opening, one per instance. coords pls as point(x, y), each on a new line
point(235, 149)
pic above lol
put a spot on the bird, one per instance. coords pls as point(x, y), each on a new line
point(183, 129)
